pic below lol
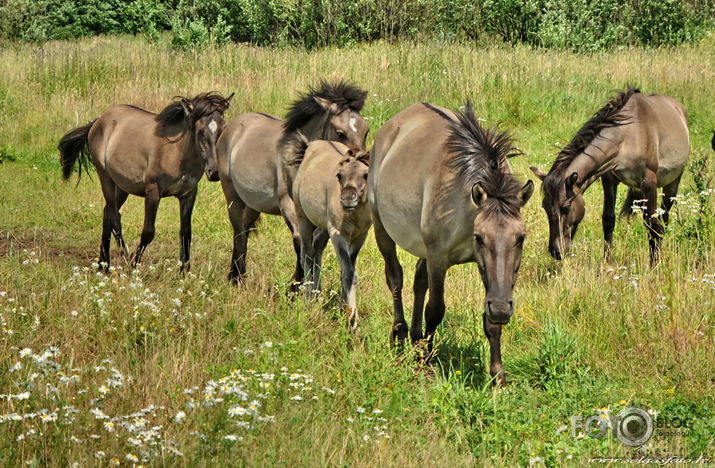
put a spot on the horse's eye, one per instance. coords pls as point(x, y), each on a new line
point(342, 136)
point(520, 240)
point(479, 239)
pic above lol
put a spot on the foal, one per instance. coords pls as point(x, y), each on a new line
point(330, 197)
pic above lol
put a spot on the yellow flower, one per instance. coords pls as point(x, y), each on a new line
point(458, 372)
point(622, 402)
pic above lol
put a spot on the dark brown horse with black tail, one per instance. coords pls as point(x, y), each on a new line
point(153, 156)
point(637, 139)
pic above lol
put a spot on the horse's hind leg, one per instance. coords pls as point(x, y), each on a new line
point(650, 215)
point(419, 288)
point(236, 207)
point(608, 219)
point(250, 217)
point(186, 207)
point(109, 214)
point(291, 219)
point(120, 197)
point(669, 192)
point(434, 312)
point(151, 206)
point(393, 275)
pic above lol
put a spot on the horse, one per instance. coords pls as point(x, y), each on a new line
point(440, 187)
point(637, 139)
point(153, 156)
point(330, 197)
point(254, 175)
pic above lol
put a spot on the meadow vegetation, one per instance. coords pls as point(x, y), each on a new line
point(152, 367)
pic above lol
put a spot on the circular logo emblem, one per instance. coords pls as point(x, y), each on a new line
point(635, 426)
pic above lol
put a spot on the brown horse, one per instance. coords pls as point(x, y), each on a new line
point(330, 196)
point(440, 187)
point(152, 156)
point(638, 139)
point(254, 175)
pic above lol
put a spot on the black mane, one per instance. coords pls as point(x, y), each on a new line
point(480, 155)
point(203, 105)
point(341, 93)
point(610, 115)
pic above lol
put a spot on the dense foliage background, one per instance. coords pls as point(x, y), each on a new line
point(572, 24)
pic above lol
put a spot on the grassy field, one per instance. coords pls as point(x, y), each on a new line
point(151, 367)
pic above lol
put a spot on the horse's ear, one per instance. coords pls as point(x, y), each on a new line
point(478, 194)
point(538, 172)
point(188, 107)
point(364, 157)
point(571, 180)
point(326, 105)
point(526, 192)
point(228, 99)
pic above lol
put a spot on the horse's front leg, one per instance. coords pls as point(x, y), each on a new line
point(152, 196)
point(608, 219)
point(348, 279)
point(496, 368)
point(186, 207)
point(288, 211)
point(651, 216)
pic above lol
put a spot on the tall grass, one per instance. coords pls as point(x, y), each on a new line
point(587, 336)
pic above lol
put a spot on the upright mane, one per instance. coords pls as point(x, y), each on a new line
point(202, 105)
point(341, 93)
point(480, 155)
point(610, 115)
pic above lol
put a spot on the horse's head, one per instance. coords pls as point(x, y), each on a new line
point(205, 117)
point(352, 177)
point(330, 112)
point(565, 207)
point(499, 234)
point(343, 124)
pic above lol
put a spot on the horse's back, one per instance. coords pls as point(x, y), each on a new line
point(121, 142)
point(248, 154)
point(662, 122)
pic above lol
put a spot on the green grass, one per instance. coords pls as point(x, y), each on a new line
point(586, 334)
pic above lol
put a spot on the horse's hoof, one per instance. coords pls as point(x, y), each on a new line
point(398, 334)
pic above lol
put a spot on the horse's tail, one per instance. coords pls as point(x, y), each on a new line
point(74, 148)
point(632, 196)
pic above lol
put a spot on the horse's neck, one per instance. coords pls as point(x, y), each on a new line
point(596, 159)
point(189, 149)
point(314, 129)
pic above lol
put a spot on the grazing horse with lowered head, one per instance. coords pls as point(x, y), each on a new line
point(441, 188)
point(255, 176)
point(330, 196)
point(153, 156)
point(638, 139)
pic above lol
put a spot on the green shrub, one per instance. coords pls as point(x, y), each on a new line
point(577, 25)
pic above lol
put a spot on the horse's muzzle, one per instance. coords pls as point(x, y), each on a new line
point(212, 175)
point(500, 312)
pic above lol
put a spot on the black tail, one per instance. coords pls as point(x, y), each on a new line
point(633, 196)
point(74, 148)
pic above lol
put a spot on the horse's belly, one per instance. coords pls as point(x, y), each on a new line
point(255, 185)
point(402, 224)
